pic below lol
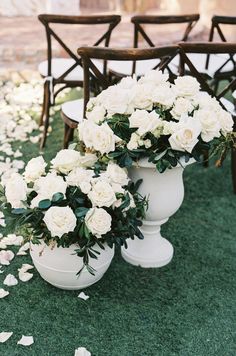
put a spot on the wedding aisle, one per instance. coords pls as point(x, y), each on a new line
point(185, 308)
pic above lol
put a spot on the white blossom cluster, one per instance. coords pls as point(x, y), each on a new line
point(70, 169)
point(17, 104)
point(193, 113)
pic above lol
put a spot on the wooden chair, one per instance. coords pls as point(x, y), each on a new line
point(66, 71)
point(186, 49)
point(217, 66)
point(92, 73)
point(120, 69)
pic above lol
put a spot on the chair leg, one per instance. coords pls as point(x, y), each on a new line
point(233, 168)
point(43, 106)
point(68, 135)
point(46, 116)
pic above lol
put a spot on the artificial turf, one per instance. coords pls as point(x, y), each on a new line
point(187, 308)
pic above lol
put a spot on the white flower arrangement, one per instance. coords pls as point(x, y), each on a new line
point(68, 202)
point(154, 118)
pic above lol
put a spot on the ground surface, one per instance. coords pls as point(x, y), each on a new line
point(184, 309)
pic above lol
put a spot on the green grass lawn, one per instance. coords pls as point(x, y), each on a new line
point(187, 308)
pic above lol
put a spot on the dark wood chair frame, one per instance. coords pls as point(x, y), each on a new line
point(141, 20)
point(93, 74)
point(210, 48)
point(49, 96)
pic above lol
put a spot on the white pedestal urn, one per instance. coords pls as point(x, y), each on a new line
point(165, 192)
point(58, 266)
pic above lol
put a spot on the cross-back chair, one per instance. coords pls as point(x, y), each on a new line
point(217, 66)
point(92, 73)
point(186, 49)
point(67, 71)
point(141, 37)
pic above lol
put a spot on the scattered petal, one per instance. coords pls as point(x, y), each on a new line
point(26, 340)
point(23, 249)
point(25, 276)
point(6, 257)
point(3, 293)
point(25, 267)
point(82, 351)
point(83, 296)
point(10, 280)
point(4, 336)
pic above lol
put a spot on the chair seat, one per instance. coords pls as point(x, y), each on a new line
point(124, 68)
point(229, 106)
point(74, 109)
point(61, 65)
point(199, 61)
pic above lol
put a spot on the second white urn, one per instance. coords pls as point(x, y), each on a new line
point(165, 192)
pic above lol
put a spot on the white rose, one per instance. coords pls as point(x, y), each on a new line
point(98, 221)
point(79, 175)
point(164, 95)
point(226, 121)
point(34, 169)
point(86, 131)
point(150, 125)
point(117, 174)
point(209, 122)
point(104, 139)
point(186, 86)
point(154, 76)
point(87, 159)
point(186, 135)
point(97, 114)
point(203, 100)
point(133, 142)
point(128, 82)
point(137, 118)
point(168, 127)
point(47, 186)
point(181, 106)
point(66, 160)
point(16, 191)
point(117, 100)
point(60, 220)
point(102, 194)
point(143, 96)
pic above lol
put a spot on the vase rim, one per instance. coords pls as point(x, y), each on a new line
point(143, 163)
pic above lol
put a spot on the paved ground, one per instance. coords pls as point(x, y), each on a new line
point(23, 41)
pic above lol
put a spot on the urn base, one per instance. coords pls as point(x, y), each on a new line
point(156, 252)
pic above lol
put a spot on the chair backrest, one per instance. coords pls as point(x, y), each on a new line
point(47, 20)
point(164, 54)
point(216, 28)
point(206, 48)
point(138, 21)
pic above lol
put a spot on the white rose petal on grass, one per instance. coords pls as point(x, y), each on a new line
point(34, 169)
point(26, 340)
point(98, 221)
point(23, 249)
point(66, 160)
point(60, 220)
point(12, 240)
point(16, 191)
point(102, 194)
point(6, 257)
point(83, 296)
point(4, 336)
point(25, 276)
point(82, 351)
point(3, 293)
point(25, 267)
point(10, 280)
